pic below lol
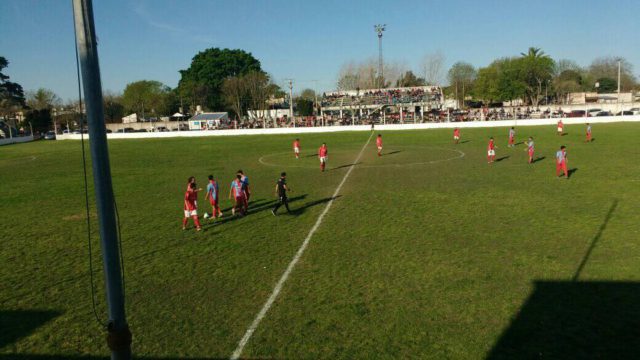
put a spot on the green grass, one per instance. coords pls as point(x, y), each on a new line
point(417, 258)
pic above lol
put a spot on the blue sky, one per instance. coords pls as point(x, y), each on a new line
point(304, 40)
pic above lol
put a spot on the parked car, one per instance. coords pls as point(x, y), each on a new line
point(635, 111)
point(603, 113)
point(576, 113)
point(624, 113)
point(125, 130)
point(593, 112)
point(50, 135)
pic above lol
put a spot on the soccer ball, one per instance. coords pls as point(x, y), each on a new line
point(206, 215)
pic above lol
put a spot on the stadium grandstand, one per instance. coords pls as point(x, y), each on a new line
point(396, 105)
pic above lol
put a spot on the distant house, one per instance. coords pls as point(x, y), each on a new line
point(209, 121)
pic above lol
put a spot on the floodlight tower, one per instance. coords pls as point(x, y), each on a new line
point(379, 30)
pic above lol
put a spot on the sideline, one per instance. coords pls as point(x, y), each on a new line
point(276, 290)
point(328, 129)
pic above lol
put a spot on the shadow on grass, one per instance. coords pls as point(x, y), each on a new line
point(255, 207)
point(392, 152)
point(564, 134)
point(571, 172)
point(503, 158)
point(574, 320)
point(518, 143)
point(539, 158)
point(595, 239)
point(16, 324)
point(300, 210)
point(464, 142)
point(345, 166)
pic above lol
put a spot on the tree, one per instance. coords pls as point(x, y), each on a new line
point(40, 119)
point(461, 75)
point(201, 83)
point(364, 75)
point(304, 106)
point(566, 82)
point(536, 68)
point(607, 85)
point(113, 108)
point(433, 66)
point(42, 99)
point(256, 84)
point(607, 67)
point(11, 94)
point(409, 79)
point(234, 92)
point(308, 94)
point(147, 97)
point(500, 81)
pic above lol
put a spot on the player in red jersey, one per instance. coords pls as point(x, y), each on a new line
point(560, 127)
point(456, 135)
point(192, 179)
point(238, 195)
point(561, 162)
point(588, 132)
point(212, 196)
point(512, 137)
point(491, 151)
point(379, 144)
point(191, 207)
point(323, 154)
point(530, 149)
point(296, 148)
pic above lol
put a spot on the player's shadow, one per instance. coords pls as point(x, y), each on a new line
point(518, 143)
point(254, 208)
point(539, 158)
point(592, 140)
point(16, 324)
point(345, 166)
point(464, 142)
point(300, 210)
point(503, 158)
point(392, 152)
point(564, 134)
point(571, 172)
point(310, 155)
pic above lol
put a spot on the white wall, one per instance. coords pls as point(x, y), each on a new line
point(16, 139)
point(301, 130)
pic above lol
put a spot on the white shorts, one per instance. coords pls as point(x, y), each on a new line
point(190, 213)
point(559, 129)
point(296, 150)
point(456, 138)
point(323, 159)
point(491, 153)
point(379, 147)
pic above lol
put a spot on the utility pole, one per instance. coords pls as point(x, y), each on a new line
point(293, 118)
point(380, 28)
point(119, 336)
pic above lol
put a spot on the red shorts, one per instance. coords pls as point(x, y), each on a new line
point(213, 202)
point(531, 153)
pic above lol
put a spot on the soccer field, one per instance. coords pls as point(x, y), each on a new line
point(427, 252)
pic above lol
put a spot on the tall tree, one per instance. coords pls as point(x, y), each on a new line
point(113, 108)
point(146, 98)
point(536, 70)
point(607, 67)
point(461, 76)
point(11, 94)
point(433, 66)
point(42, 99)
point(234, 92)
point(201, 83)
point(409, 79)
point(308, 94)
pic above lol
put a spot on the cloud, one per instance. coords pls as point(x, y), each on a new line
point(141, 10)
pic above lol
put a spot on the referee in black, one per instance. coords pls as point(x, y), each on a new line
point(281, 191)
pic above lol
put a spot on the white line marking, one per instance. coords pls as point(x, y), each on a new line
point(276, 290)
